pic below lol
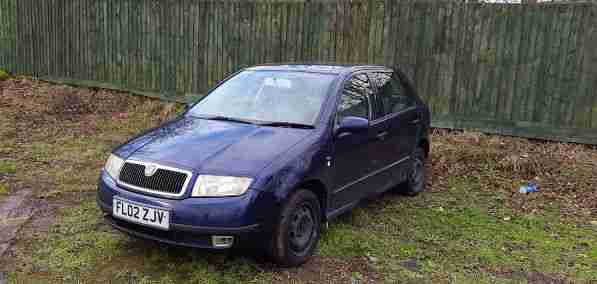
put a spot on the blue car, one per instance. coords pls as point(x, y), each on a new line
point(267, 156)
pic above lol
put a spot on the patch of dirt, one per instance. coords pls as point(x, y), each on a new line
point(563, 172)
point(40, 215)
point(45, 214)
point(33, 111)
point(530, 277)
point(328, 270)
point(15, 211)
point(541, 278)
point(43, 103)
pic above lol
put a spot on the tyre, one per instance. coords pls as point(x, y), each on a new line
point(415, 183)
point(298, 229)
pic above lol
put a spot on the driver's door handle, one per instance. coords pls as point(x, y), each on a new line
point(382, 135)
point(415, 121)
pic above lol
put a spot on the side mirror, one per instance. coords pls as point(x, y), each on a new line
point(187, 106)
point(352, 124)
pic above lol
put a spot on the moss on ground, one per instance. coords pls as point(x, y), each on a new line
point(8, 167)
point(4, 75)
point(4, 189)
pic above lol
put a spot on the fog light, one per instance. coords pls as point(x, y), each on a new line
point(222, 241)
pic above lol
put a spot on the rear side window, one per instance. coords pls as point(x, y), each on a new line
point(353, 101)
point(393, 96)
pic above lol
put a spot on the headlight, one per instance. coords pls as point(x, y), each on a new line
point(213, 186)
point(113, 165)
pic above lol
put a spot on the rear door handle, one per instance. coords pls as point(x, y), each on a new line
point(415, 121)
point(382, 135)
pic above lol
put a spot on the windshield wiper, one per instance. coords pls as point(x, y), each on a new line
point(225, 118)
point(287, 124)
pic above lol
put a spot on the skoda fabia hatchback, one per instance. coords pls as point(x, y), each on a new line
point(267, 156)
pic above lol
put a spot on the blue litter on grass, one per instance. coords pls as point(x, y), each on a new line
point(530, 187)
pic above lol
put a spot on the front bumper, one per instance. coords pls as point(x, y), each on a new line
point(193, 221)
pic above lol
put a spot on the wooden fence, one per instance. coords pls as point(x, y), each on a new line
point(524, 70)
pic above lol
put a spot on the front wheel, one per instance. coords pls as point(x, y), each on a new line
point(298, 229)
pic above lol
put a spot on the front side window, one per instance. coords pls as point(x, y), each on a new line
point(392, 94)
point(268, 96)
point(353, 101)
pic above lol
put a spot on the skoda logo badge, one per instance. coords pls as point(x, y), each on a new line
point(150, 170)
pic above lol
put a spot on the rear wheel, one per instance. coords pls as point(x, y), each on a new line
point(298, 229)
point(415, 183)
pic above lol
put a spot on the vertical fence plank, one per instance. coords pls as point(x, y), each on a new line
point(76, 22)
point(553, 60)
point(202, 33)
point(571, 85)
point(454, 36)
point(192, 48)
point(461, 21)
point(436, 50)
point(339, 32)
point(139, 45)
point(112, 36)
point(533, 63)
point(209, 53)
point(86, 31)
point(146, 45)
point(477, 58)
point(582, 111)
point(542, 91)
point(17, 38)
point(560, 104)
point(501, 49)
point(7, 48)
point(3, 34)
point(489, 97)
point(520, 80)
point(441, 106)
point(219, 46)
point(467, 45)
point(591, 90)
point(103, 50)
point(513, 38)
point(35, 47)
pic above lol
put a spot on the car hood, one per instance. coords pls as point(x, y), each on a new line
point(213, 147)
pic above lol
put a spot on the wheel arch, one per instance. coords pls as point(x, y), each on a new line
point(320, 190)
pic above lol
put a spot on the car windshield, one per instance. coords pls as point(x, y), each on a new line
point(267, 97)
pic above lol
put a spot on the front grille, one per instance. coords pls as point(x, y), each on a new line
point(166, 181)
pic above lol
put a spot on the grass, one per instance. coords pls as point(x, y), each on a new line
point(471, 226)
point(4, 75)
point(461, 241)
point(8, 167)
point(4, 189)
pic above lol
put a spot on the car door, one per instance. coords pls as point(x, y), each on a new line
point(401, 119)
point(352, 159)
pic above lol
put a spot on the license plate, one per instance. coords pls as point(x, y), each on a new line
point(141, 214)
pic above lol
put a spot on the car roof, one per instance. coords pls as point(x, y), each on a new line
point(331, 68)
